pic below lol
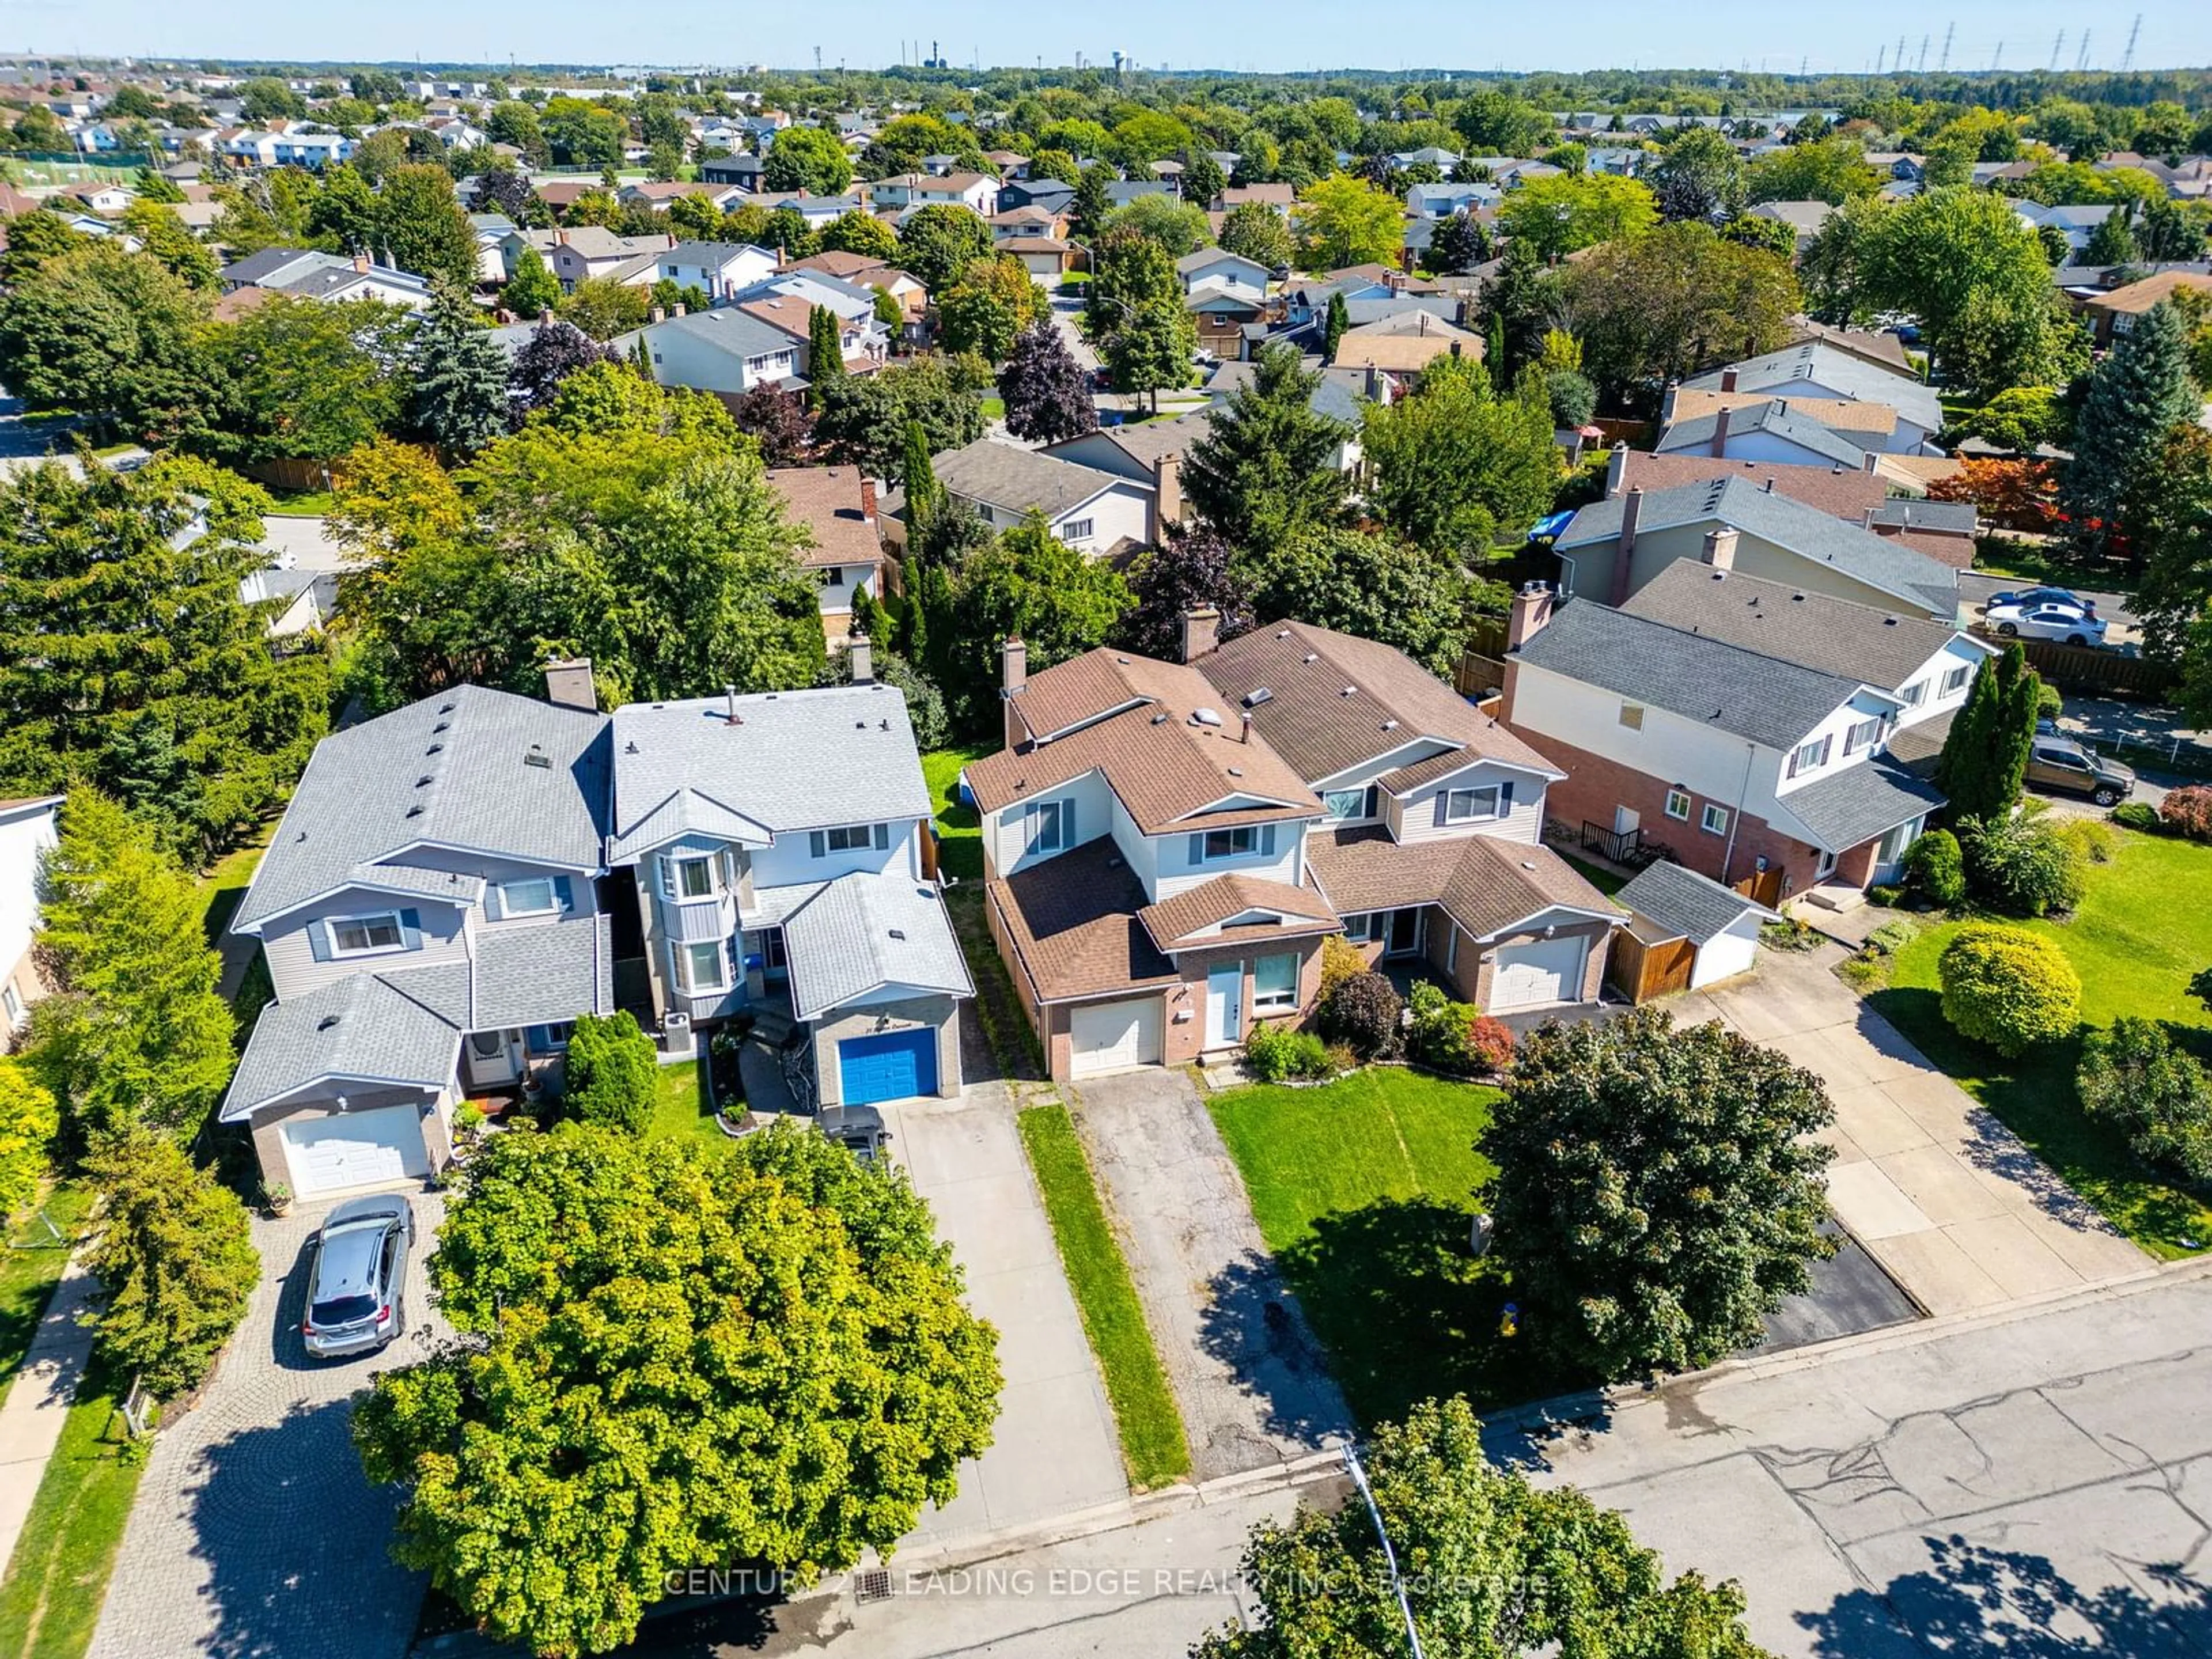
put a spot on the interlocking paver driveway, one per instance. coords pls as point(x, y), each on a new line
point(255, 1534)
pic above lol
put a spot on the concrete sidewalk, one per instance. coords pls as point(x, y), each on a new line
point(39, 1398)
point(1944, 1196)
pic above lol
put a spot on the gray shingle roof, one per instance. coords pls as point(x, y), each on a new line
point(800, 760)
point(453, 770)
point(1826, 365)
point(1861, 802)
point(380, 1029)
point(1685, 904)
point(1762, 698)
point(1879, 561)
point(534, 976)
point(726, 328)
point(863, 931)
point(1006, 475)
point(1957, 517)
point(1773, 417)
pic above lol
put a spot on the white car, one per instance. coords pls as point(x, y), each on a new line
point(2066, 623)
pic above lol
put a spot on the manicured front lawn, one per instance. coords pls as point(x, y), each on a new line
point(2143, 931)
point(680, 1109)
point(960, 846)
point(56, 1581)
point(1364, 1189)
point(1153, 1441)
point(30, 1270)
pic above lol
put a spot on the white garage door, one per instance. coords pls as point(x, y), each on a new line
point(353, 1149)
point(1548, 970)
point(1114, 1036)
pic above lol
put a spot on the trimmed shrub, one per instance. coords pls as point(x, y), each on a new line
point(2134, 1077)
point(1339, 961)
point(2137, 815)
point(1884, 895)
point(2022, 865)
point(1894, 935)
point(1275, 1052)
point(612, 1072)
point(1452, 1036)
point(1363, 1014)
point(1938, 868)
point(2188, 811)
point(2009, 987)
point(1490, 1041)
point(2094, 839)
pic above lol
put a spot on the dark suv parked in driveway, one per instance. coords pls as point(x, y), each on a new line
point(2066, 767)
point(357, 1288)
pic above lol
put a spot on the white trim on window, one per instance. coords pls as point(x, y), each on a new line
point(698, 871)
point(1956, 677)
point(1714, 820)
point(1241, 842)
point(1914, 695)
point(1471, 805)
point(1678, 805)
point(1078, 530)
point(368, 925)
point(1275, 984)
point(688, 965)
point(1863, 735)
point(1809, 757)
point(512, 905)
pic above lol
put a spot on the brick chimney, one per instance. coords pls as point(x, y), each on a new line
point(1201, 630)
point(568, 683)
point(867, 498)
point(361, 264)
point(1720, 548)
point(1532, 608)
point(862, 657)
point(1872, 456)
point(1632, 508)
point(1672, 396)
point(1727, 380)
point(1167, 493)
point(1013, 680)
point(1720, 434)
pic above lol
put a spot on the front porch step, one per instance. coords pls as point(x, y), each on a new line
point(1836, 897)
point(773, 1026)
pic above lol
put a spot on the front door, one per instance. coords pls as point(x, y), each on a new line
point(1224, 1005)
point(1405, 936)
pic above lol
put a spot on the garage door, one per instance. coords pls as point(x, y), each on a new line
point(355, 1148)
point(891, 1066)
point(1548, 970)
point(1114, 1036)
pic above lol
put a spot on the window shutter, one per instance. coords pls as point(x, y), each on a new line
point(319, 939)
point(495, 901)
point(1197, 848)
point(1505, 798)
point(1443, 807)
point(1268, 840)
point(1368, 806)
point(1790, 771)
point(410, 929)
point(883, 837)
point(565, 890)
point(667, 862)
point(1067, 822)
point(816, 846)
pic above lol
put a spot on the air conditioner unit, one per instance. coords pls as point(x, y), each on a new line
point(678, 1043)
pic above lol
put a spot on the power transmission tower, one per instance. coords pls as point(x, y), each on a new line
point(2128, 57)
point(1996, 58)
point(1881, 58)
point(1921, 67)
point(1898, 64)
point(2081, 57)
point(2057, 47)
point(1944, 62)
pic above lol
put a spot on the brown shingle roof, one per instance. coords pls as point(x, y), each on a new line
point(1162, 764)
point(1838, 414)
point(1843, 492)
point(832, 503)
point(1072, 921)
point(2138, 297)
point(1486, 885)
point(1174, 920)
point(1395, 701)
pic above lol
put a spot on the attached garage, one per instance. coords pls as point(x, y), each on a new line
point(1541, 971)
point(1114, 1036)
point(887, 1066)
point(342, 1150)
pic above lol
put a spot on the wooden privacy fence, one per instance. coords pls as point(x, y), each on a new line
point(1641, 971)
point(2099, 673)
point(1765, 888)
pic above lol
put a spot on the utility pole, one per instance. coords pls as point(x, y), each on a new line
point(2128, 57)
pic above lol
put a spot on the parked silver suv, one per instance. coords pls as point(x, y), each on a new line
point(357, 1290)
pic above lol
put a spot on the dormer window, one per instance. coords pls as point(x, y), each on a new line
point(687, 877)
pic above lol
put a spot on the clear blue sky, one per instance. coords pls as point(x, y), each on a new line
point(1266, 34)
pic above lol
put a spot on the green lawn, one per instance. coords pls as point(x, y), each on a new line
point(2142, 931)
point(1113, 1319)
point(680, 1108)
point(58, 1577)
point(300, 503)
point(223, 886)
point(961, 846)
point(1364, 1189)
point(29, 1271)
point(1607, 882)
point(994, 408)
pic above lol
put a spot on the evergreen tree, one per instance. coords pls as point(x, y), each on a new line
point(918, 479)
point(2113, 240)
point(460, 401)
point(1087, 211)
point(1517, 310)
point(1985, 755)
point(1333, 330)
point(914, 616)
point(825, 350)
point(2137, 396)
point(1266, 467)
point(2165, 234)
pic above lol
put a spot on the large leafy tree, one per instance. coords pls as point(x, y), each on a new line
point(460, 400)
point(28, 1121)
point(778, 422)
point(1832, 170)
point(989, 307)
point(127, 658)
point(107, 333)
point(1267, 467)
point(1674, 302)
point(134, 1036)
point(1458, 244)
point(163, 238)
point(1499, 123)
point(1046, 393)
point(2175, 599)
point(1257, 231)
point(863, 419)
point(1494, 1568)
point(1961, 262)
point(671, 1355)
point(298, 378)
point(1667, 1191)
point(533, 289)
point(344, 211)
point(1563, 214)
point(1699, 177)
point(1179, 227)
point(1455, 466)
point(421, 227)
point(1343, 220)
point(1029, 582)
point(1144, 330)
point(937, 244)
point(809, 159)
point(555, 351)
point(2137, 396)
point(1191, 568)
point(859, 231)
point(1985, 755)
point(1370, 583)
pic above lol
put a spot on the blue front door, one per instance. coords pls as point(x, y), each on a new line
point(889, 1066)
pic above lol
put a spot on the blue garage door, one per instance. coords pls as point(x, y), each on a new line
point(890, 1067)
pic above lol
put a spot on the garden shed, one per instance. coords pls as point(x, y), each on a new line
point(1684, 932)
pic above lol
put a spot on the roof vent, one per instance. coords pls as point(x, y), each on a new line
point(1284, 634)
point(1205, 717)
point(538, 756)
point(630, 748)
point(1161, 718)
point(1525, 865)
point(1258, 694)
point(445, 708)
point(898, 933)
point(442, 726)
point(415, 810)
point(1235, 771)
point(1124, 661)
point(1313, 656)
point(1889, 621)
point(326, 1021)
point(426, 779)
point(1348, 691)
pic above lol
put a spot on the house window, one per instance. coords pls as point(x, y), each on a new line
point(1349, 802)
point(1631, 716)
point(1715, 820)
point(1364, 929)
point(1050, 823)
point(695, 878)
point(1956, 677)
point(833, 577)
point(1914, 695)
point(354, 936)
point(1275, 984)
point(1862, 736)
point(1230, 843)
point(1078, 530)
point(700, 967)
point(11, 1005)
point(537, 897)
point(1464, 805)
point(1809, 756)
point(550, 1039)
point(849, 838)
point(1678, 804)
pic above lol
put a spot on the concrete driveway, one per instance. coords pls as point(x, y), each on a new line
point(255, 1532)
point(1975, 590)
point(1251, 1383)
point(1956, 1210)
point(1056, 1449)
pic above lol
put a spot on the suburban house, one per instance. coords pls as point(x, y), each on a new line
point(1442, 201)
point(788, 300)
point(1091, 511)
point(725, 350)
point(1342, 396)
point(657, 194)
point(2114, 312)
point(2076, 223)
point(1404, 344)
point(331, 277)
point(453, 883)
point(1763, 429)
point(1611, 548)
point(1232, 273)
point(742, 171)
point(1841, 492)
point(581, 252)
point(866, 272)
point(1222, 315)
point(27, 829)
point(838, 505)
point(1741, 724)
point(721, 270)
point(1149, 454)
point(1159, 875)
point(976, 191)
point(1803, 218)
point(1820, 368)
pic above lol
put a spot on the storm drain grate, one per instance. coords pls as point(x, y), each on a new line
point(874, 1585)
